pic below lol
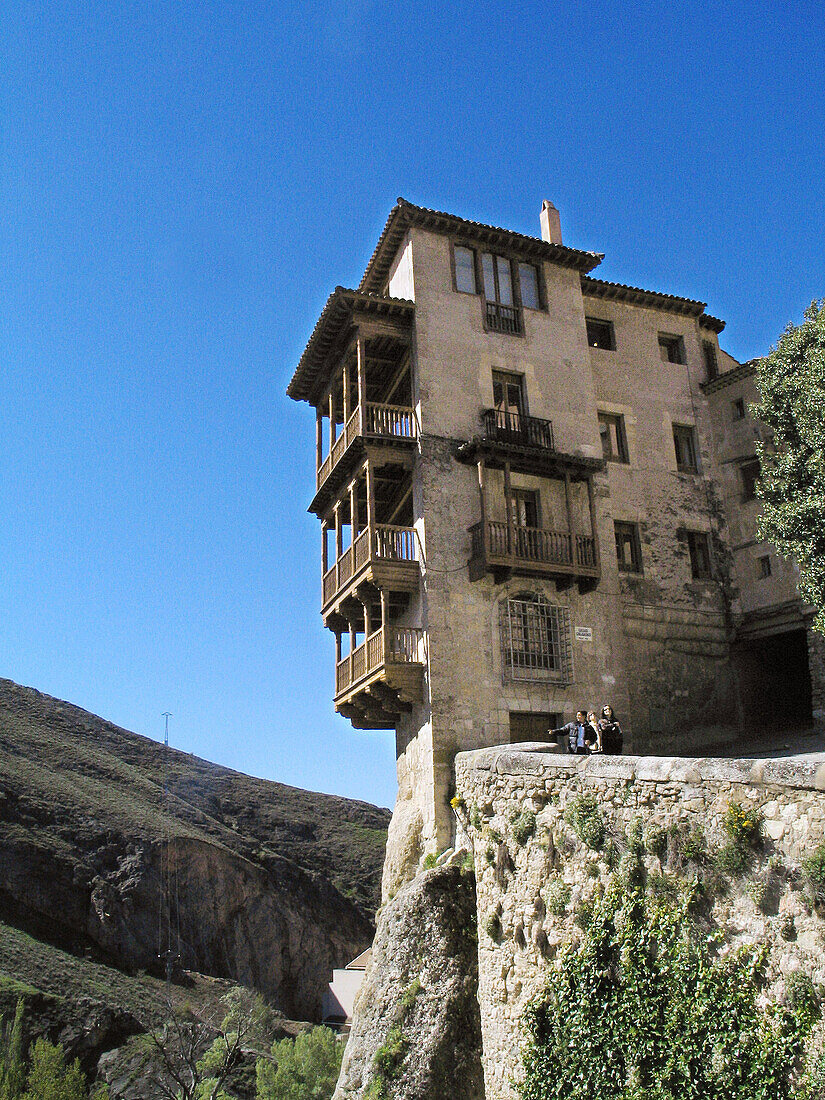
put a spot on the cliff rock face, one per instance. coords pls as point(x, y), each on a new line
point(416, 1031)
point(268, 886)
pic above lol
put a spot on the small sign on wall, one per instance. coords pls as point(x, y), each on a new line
point(584, 634)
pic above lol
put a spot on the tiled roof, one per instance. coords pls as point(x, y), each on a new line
point(742, 370)
point(620, 292)
point(405, 214)
point(336, 314)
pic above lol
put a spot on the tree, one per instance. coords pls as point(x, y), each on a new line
point(791, 382)
point(12, 1066)
point(194, 1056)
point(304, 1068)
point(49, 1078)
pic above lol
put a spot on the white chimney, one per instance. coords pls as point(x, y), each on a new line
point(550, 223)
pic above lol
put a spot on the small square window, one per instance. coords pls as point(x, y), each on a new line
point(614, 441)
point(711, 365)
point(533, 726)
point(738, 408)
point(465, 270)
point(684, 443)
point(600, 334)
point(749, 472)
point(764, 564)
point(699, 549)
point(671, 348)
point(529, 284)
point(628, 547)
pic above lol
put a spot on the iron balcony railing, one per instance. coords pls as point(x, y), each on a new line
point(390, 645)
point(387, 421)
point(515, 427)
point(505, 319)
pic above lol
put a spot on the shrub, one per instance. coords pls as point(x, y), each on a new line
point(695, 848)
point(492, 926)
point(655, 839)
point(307, 1065)
point(635, 836)
point(474, 817)
point(803, 996)
point(586, 821)
point(389, 1056)
point(813, 867)
point(430, 860)
point(642, 1009)
point(743, 827)
point(557, 895)
point(732, 859)
point(523, 826)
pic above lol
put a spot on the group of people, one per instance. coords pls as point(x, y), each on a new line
point(588, 734)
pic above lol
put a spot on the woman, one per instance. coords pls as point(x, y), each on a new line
point(594, 735)
point(611, 737)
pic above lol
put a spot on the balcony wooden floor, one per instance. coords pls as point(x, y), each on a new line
point(382, 678)
point(533, 551)
point(384, 554)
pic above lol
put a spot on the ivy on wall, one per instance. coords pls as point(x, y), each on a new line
point(646, 1008)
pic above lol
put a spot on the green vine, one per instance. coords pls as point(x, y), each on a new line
point(642, 1009)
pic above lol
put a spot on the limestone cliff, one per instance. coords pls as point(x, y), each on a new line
point(272, 887)
point(416, 1033)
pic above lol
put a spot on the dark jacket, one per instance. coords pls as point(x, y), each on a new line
point(612, 737)
point(571, 732)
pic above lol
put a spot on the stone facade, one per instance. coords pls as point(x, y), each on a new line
point(569, 467)
point(519, 936)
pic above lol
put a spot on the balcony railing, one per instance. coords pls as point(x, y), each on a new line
point(386, 421)
point(533, 546)
point(393, 645)
point(505, 319)
point(515, 427)
point(382, 542)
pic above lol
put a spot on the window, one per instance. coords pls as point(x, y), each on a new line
point(764, 564)
point(532, 725)
point(529, 286)
point(749, 472)
point(508, 400)
point(465, 270)
point(525, 505)
point(699, 550)
point(600, 334)
point(535, 640)
point(671, 348)
point(684, 443)
point(614, 441)
point(738, 408)
point(628, 547)
point(711, 366)
point(497, 280)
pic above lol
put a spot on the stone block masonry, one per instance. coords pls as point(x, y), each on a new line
point(534, 873)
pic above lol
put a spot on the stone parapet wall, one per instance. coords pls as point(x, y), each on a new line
point(517, 934)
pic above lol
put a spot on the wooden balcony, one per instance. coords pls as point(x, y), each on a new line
point(517, 429)
point(502, 318)
point(383, 554)
point(533, 551)
point(381, 678)
point(380, 423)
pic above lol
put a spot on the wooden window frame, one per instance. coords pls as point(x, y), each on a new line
point(764, 566)
point(514, 263)
point(748, 483)
point(688, 431)
point(625, 527)
point(711, 361)
point(693, 539)
point(740, 410)
point(668, 340)
point(611, 328)
point(623, 457)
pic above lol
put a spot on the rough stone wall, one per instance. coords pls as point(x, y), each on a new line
point(518, 937)
point(816, 661)
point(415, 1033)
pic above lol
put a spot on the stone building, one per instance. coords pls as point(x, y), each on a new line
point(535, 493)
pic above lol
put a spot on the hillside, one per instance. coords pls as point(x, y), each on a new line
point(273, 885)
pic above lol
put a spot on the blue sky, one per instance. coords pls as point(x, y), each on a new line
point(181, 186)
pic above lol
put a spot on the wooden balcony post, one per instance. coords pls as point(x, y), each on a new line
point(324, 549)
point(370, 499)
point(508, 504)
point(362, 383)
point(483, 505)
point(353, 512)
point(339, 539)
point(346, 394)
point(319, 438)
point(591, 500)
point(568, 504)
point(384, 625)
point(337, 647)
point(332, 435)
